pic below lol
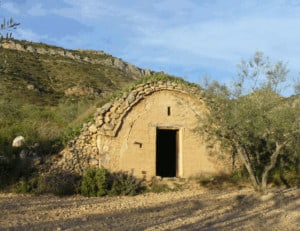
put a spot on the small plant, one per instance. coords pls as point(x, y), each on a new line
point(27, 184)
point(22, 186)
point(158, 187)
point(125, 184)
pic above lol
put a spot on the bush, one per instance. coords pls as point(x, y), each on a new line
point(287, 177)
point(102, 181)
point(23, 186)
point(125, 184)
point(99, 182)
point(95, 182)
point(59, 184)
point(13, 169)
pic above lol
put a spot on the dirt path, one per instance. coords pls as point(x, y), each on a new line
point(184, 210)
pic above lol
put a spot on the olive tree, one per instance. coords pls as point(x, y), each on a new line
point(252, 119)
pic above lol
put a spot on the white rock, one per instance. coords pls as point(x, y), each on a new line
point(19, 141)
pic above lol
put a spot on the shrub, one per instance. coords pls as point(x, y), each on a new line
point(102, 181)
point(23, 186)
point(125, 184)
point(99, 182)
point(59, 184)
point(95, 182)
point(12, 169)
point(287, 177)
point(88, 184)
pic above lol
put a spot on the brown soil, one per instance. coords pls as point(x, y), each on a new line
point(196, 209)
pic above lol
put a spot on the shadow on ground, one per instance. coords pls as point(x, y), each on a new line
point(210, 211)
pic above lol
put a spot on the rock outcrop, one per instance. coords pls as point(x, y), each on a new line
point(78, 55)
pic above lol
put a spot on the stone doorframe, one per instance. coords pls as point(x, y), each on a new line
point(180, 131)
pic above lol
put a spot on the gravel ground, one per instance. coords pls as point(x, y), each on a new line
point(189, 209)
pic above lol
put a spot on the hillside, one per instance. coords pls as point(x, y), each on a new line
point(46, 74)
point(47, 92)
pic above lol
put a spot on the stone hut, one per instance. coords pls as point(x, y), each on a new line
point(151, 131)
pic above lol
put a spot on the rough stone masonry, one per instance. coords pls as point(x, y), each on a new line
point(124, 134)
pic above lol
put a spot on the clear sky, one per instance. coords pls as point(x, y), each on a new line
point(185, 38)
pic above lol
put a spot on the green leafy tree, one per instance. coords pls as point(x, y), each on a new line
point(252, 119)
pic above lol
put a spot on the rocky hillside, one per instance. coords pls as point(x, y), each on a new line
point(54, 73)
point(46, 91)
point(87, 56)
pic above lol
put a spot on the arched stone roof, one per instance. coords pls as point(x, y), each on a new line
point(109, 118)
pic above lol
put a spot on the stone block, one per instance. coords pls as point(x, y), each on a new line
point(93, 128)
point(131, 98)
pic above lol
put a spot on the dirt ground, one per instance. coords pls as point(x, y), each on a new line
point(189, 209)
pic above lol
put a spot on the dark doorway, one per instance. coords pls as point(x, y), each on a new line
point(166, 152)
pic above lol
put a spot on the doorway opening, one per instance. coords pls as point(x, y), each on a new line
point(166, 153)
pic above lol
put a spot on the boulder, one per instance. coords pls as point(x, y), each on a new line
point(19, 141)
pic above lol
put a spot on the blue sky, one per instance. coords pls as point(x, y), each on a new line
point(185, 38)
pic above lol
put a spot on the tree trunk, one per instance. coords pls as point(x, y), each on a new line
point(246, 161)
point(268, 168)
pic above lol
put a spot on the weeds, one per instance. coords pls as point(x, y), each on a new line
point(235, 179)
point(59, 184)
